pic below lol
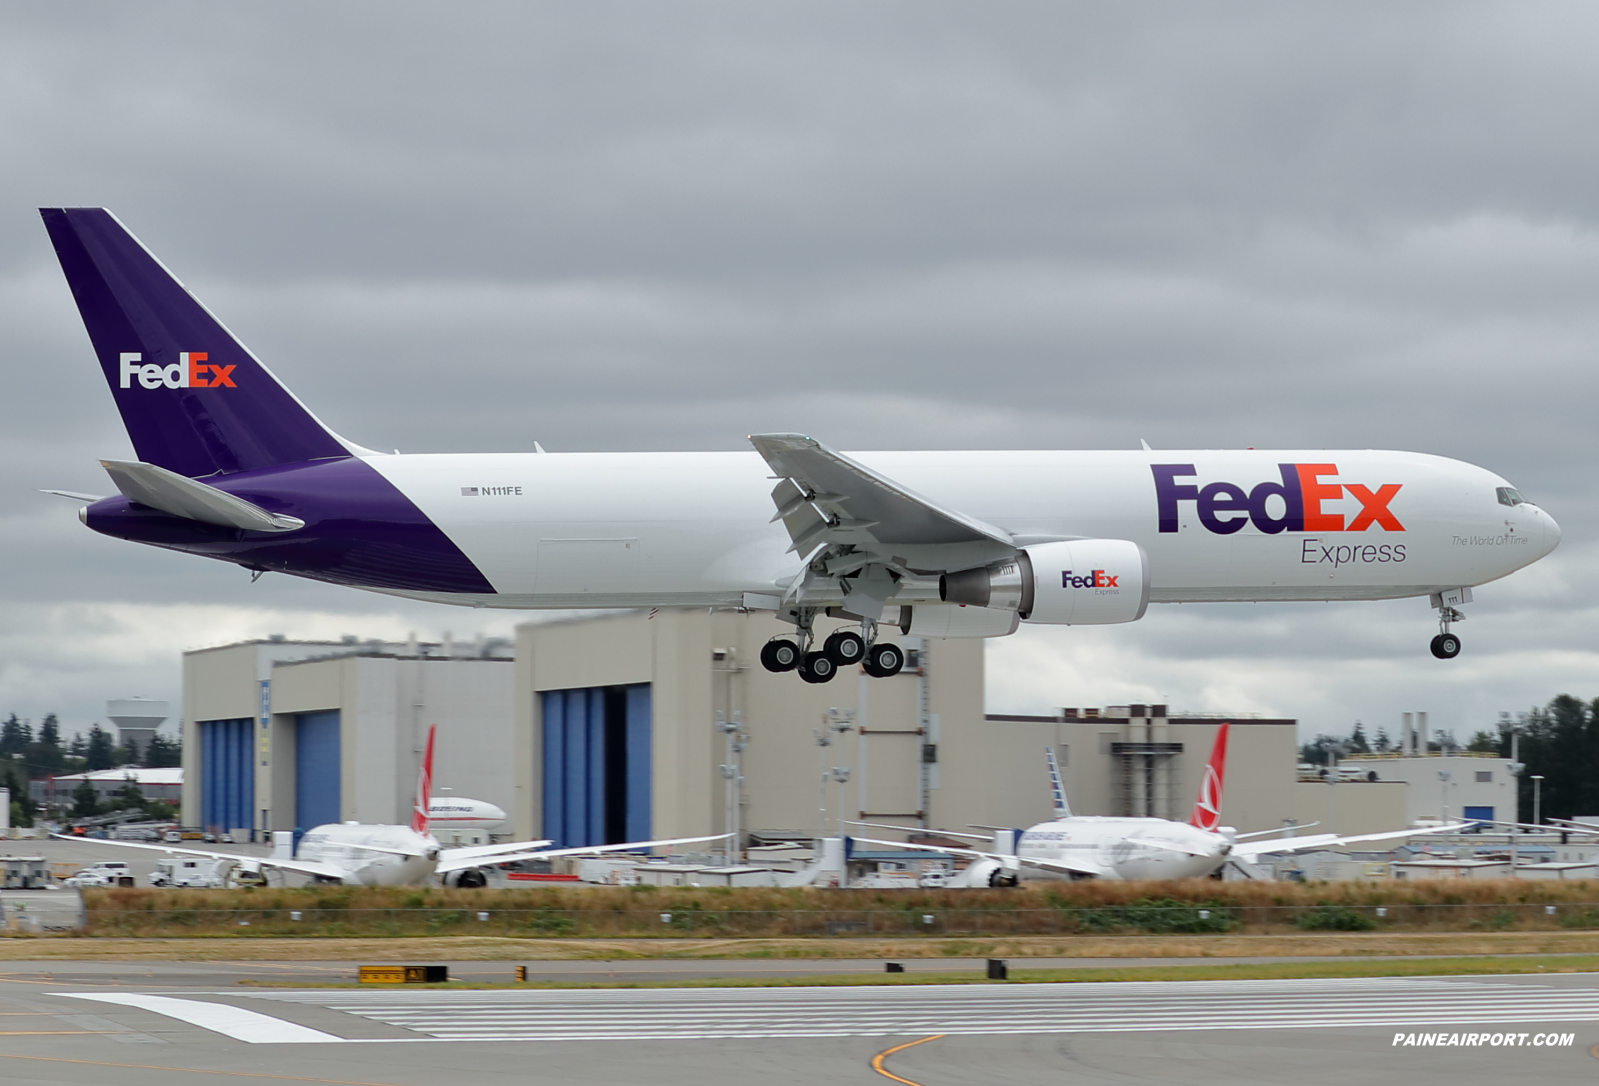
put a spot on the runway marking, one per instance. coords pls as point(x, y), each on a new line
point(877, 1060)
point(235, 1022)
point(590, 1015)
point(194, 1070)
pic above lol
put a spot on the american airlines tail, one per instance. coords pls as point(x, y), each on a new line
point(193, 398)
point(1207, 807)
point(424, 787)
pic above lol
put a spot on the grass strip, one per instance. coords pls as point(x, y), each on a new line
point(1392, 967)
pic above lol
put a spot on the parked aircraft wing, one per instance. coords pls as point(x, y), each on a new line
point(303, 867)
point(825, 497)
point(481, 852)
point(181, 496)
point(946, 833)
point(454, 863)
point(1255, 849)
point(1071, 867)
point(1278, 829)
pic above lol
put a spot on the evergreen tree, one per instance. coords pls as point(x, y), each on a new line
point(15, 735)
point(130, 794)
point(1484, 742)
point(85, 801)
point(50, 731)
point(162, 752)
point(1383, 744)
point(78, 747)
point(1560, 742)
point(99, 753)
point(1357, 740)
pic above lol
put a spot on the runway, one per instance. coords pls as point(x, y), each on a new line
point(1308, 1031)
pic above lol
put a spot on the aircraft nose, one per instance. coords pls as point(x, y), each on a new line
point(1551, 532)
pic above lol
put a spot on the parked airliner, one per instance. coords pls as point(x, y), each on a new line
point(1099, 847)
point(364, 854)
point(943, 544)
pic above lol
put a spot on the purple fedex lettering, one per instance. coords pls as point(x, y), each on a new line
point(1218, 499)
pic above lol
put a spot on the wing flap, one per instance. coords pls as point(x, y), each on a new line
point(825, 496)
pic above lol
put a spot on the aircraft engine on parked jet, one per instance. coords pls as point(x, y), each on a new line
point(1073, 582)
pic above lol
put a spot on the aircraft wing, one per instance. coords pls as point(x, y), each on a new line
point(302, 867)
point(1070, 867)
point(480, 852)
point(825, 497)
point(946, 833)
point(1255, 849)
point(453, 863)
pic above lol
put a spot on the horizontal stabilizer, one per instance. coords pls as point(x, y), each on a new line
point(74, 495)
point(172, 493)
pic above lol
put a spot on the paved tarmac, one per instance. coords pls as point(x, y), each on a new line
point(165, 1023)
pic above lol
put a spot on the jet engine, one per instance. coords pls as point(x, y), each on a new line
point(1073, 582)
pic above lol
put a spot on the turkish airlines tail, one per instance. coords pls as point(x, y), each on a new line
point(1207, 808)
point(193, 398)
point(1057, 790)
point(424, 787)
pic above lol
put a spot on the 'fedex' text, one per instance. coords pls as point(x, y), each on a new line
point(191, 370)
point(1224, 508)
point(1097, 578)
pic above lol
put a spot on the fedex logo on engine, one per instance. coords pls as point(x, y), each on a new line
point(1097, 578)
point(1224, 508)
point(191, 370)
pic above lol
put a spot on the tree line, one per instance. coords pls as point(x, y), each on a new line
point(29, 753)
point(1558, 742)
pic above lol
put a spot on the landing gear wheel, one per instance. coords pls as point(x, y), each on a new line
point(884, 661)
point(1446, 646)
point(845, 647)
point(780, 655)
point(817, 667)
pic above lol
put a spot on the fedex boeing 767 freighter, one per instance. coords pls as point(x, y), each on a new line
point(941, 544)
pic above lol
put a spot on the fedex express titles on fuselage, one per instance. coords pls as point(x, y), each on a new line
point(944, 544)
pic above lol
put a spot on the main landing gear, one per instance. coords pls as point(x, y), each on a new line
point(843, 648)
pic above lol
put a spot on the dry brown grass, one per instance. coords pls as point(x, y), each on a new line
point(479, 948)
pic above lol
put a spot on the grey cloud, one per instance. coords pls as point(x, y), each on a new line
point(636, 226)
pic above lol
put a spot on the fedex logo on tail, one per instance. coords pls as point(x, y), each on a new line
point(191, 370)
point(1224, 508)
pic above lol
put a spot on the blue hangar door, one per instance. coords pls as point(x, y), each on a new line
point(596, 745)
point(317, 769)
point(227, 775)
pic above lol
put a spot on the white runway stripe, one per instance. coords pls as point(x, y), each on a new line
point(644, 1014)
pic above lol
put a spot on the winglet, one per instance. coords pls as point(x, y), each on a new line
point(1207, 807)
point(1057, 790)
point(424, 787)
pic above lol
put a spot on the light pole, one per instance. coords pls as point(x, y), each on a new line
point(1443, 788)
point(834, 722)
point(731, 770)
point(1537, 799)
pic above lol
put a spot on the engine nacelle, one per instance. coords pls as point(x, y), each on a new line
point(1074, 582)
point(1088, 582)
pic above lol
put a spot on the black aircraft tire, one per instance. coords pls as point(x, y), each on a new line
point(884, 661)
point(780, 655)
point(1446, 646)
point(845, 647)
point(817, 667)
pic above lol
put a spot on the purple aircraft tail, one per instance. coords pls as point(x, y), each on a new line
point(194, 399)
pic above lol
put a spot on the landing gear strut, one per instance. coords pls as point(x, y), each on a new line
point(1446, 646)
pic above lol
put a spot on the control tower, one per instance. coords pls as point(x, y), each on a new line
point(136, 720)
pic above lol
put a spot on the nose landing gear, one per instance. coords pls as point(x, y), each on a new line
point(1446, 646)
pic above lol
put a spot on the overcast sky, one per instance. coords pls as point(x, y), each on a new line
point(891, 225)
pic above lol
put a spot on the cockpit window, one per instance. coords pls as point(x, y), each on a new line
point(1508, 495)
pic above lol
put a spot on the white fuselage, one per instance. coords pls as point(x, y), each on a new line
point(464, 814)
point(1126, 848)
point(340, 846)
point(693, 529)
